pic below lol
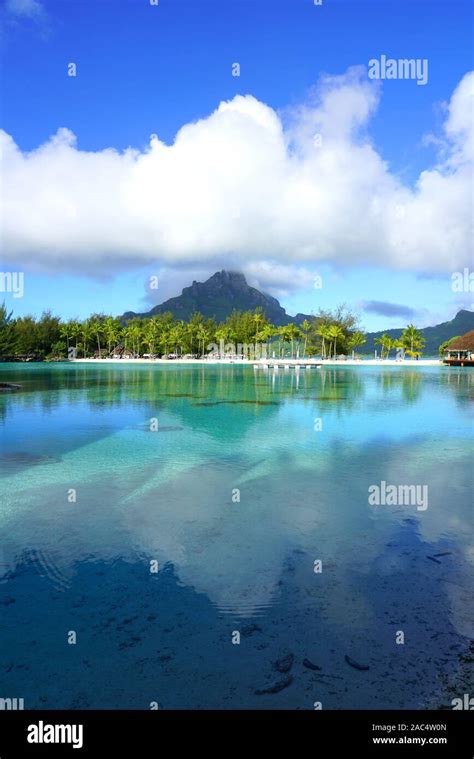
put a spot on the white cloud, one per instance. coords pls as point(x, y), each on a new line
point(244, 185)
point(278, 279)
point(171, 282)
point(28, 8)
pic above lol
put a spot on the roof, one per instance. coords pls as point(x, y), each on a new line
point(464, 343)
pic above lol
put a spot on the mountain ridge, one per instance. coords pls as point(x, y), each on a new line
point(434, 336)
point(217, 297)
point(226, 291)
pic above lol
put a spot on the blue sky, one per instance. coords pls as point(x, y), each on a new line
point(145, 70)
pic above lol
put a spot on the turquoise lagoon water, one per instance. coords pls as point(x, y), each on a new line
point(302, 448)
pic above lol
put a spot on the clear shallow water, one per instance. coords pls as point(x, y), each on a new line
point(228, 566)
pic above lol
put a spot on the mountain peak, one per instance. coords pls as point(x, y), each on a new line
point(230, 280)
point(224, 292)
point(229, 277)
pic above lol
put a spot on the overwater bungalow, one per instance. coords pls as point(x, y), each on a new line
point(461, 351)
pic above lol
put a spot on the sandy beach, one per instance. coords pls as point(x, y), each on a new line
point(409, 363)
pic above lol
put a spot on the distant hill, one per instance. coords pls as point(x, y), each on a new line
point(227, 291)
point(217, 297)
point(463, 322)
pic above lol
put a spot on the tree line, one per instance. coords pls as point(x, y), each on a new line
point(327, 334)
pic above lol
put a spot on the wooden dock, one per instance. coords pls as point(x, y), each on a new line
point(287, 365)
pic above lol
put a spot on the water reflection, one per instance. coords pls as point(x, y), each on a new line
point(302, 496)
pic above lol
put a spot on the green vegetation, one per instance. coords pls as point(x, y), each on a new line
point(7, 337)
point(328, 334)
point(434, 336)
point(412, 341)
point(335, 332)
point(444, 346)
point(387, 343)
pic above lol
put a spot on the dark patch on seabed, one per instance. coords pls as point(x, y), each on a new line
point(255, 403)
point(180, 395)
point(144, 638)
point(24, 458)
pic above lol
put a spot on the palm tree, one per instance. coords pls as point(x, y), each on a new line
point(97, 328)
point(305, 327)
point(87, 333)
point(132, 334)
point(294, 334)
point(285, 333)
point(135, 333)
point(166, 341)
point(385, 342)
point(323, 332)
point(257, 318)
point(393, 344)
point(193, 326)
point(182, 329)
point(290, 333)
point(278, 333)
point(379, 341)
point(264, 336)
point(224, 333)
point(112, 331)
point(356, 339)
point(175, 335)
point(412, 340)
point(202, 335)
point(65, 331)
point(75, 331)
point(150, 333)
point(334, 333)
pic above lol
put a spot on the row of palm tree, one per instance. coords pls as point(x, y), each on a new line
point(162, 332)
point(157, 332)
point(328, 334)
point(332, 333)
point(410, 342)
point(387, 344)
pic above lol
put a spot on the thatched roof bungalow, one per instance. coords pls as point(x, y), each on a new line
point(461, 351)
point(121, 352)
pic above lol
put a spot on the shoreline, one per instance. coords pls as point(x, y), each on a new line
point(311, 362)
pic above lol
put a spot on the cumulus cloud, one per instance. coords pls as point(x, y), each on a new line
point(279, 280)
point(245, 184)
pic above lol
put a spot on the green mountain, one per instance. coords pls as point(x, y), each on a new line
point(227, 291)
point(463, 322)
point(217, 297)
